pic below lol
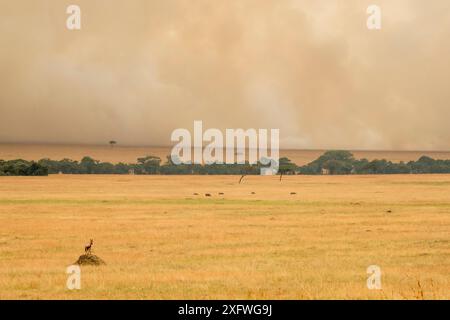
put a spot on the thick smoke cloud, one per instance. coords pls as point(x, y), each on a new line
point(138, 69)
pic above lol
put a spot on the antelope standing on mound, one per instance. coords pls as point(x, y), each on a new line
point(88, 248)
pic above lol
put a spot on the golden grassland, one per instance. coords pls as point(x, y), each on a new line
point(160, 241)
point(129, 154)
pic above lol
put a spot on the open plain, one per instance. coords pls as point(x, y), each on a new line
point(302, 238)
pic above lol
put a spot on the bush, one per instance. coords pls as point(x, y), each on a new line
point(22, 168)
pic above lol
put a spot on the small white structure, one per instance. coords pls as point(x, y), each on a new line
point(131, 172)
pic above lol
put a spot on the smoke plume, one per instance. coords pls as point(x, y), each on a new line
point(139, 69)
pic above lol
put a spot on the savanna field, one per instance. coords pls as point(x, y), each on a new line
point(306, 237)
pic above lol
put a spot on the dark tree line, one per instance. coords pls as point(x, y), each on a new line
point(343, 162)
point(331, 162)
point(22, 168)
point(146, 165)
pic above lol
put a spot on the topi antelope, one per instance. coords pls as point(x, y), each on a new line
point(88, 248)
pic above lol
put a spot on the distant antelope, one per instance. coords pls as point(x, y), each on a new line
point(87, 248)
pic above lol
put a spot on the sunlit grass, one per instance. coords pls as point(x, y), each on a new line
point(161, 242)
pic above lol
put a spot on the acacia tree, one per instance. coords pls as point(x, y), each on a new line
point(150, 164)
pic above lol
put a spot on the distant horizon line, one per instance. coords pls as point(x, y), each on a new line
point(169, 146)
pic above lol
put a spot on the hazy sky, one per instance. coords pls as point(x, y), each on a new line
point(138, 69)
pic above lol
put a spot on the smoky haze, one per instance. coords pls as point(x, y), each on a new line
point(139, 69)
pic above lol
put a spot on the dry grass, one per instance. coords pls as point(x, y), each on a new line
point(129, 154)
point(161, 241)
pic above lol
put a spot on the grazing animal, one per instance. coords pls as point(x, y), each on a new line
point(88, 248)
point(207, 195)
point(221, 193)
point(196, 194)
point(292, 193)
point(253, 192)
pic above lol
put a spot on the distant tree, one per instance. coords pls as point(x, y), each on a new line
point(112, 143)
point(36, 169)
point(21, 167)
point(88, 165)
point(338, 166)
point(149, 164)
point(286, 167)
point(335, 161)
